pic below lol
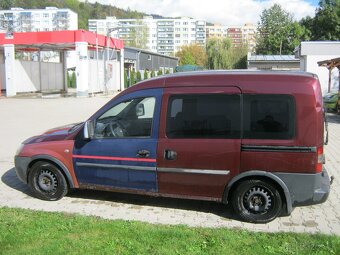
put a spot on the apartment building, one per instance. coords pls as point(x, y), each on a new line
point(238, 35)
point(32, 20)
point(216, 31)
point(164, 36)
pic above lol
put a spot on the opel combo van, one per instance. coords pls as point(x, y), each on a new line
point(251, 139)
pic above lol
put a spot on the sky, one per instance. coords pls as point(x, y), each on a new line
point(226, 12)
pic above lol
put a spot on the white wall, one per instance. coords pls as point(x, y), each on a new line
point(52, 76)
point(96, 76)
point(28, 80)
point(113, 83)
point(311, 65)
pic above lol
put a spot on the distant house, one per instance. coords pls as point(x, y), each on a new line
point(310, 53)
point(273, 62)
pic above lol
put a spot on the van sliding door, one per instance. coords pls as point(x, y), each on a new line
point(199, 145)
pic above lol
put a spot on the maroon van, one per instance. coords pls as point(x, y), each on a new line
point(252, 139)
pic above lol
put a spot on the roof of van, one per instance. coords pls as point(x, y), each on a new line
point(239, 72)
point(243, 78)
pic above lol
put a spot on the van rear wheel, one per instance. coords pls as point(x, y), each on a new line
point(47, 182)
point(256, 201)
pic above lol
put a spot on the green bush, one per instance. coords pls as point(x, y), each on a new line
point(132, 78)
point(72, 81)
point(153, 73)
point(139, 76)
point(146, 75)
point(126, 85)
point(160, 72)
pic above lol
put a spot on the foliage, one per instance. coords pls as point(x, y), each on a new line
point(132, 78)
point(153, 73)
point(34, 232)
point(146, 76)
point(84, 9)
point(160, 72)
point(325, 26)
point(138, 76)
point(125, 79)
point(71, 80)
point(167, 71)
point(192, 54)
point(278, 33)
point(6, 4)
point(222, 55)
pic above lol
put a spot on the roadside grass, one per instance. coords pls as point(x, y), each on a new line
point(33, 232)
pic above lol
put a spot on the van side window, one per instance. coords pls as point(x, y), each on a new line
point(203, 116)
point(132, 118)
point(268, 117)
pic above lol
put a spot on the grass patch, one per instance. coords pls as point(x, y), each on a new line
point(33, 232)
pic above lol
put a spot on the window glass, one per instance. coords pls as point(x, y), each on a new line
point(132, 118)
point(203, 116)
point(268, 117)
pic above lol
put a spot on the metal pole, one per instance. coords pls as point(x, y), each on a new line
point(329, 78)
point(40, 80)
point(106, 60)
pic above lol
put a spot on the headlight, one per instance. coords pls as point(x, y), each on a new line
point(19, 149)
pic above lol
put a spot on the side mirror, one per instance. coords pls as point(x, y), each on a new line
point(140, 111)
point(89, 130)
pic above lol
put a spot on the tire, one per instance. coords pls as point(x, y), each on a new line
point(256, 201)
point(47, 182)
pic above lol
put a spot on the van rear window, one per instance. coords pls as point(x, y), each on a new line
point(204, 116)
point(268, 117)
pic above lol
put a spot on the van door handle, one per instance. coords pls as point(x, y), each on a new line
point(170, 155)
point(143, 153)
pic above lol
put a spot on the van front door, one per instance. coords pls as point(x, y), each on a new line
point(122, 154)
point(199, 146)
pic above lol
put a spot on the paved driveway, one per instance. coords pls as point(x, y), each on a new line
point(22, 118)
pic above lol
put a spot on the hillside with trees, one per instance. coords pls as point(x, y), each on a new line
point(85, 9)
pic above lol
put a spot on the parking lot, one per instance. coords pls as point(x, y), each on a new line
point(22, 118)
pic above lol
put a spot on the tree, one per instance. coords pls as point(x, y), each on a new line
point(326, 23)
point(192, 54)
point(139, 76)
point(132, 78)
point(278, 33)
point(146, 76)
point(223, 55)
point(126, 85)
point(6, 4)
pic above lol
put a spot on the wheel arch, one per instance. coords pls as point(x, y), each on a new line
point(55, 162)
point(262, 175)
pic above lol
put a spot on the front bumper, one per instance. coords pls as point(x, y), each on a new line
point(307, 189)
point(21, 167)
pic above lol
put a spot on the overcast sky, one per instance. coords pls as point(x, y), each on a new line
point(227, 12)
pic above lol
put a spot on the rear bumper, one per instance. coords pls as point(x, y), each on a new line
point(307, 189)
point(21, 167)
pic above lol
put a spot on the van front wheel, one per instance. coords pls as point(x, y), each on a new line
point(256, 201)
point(47, 182)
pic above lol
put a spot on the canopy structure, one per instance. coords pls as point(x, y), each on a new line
point(330, 65)
point(80, 41)
point(58, 40)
